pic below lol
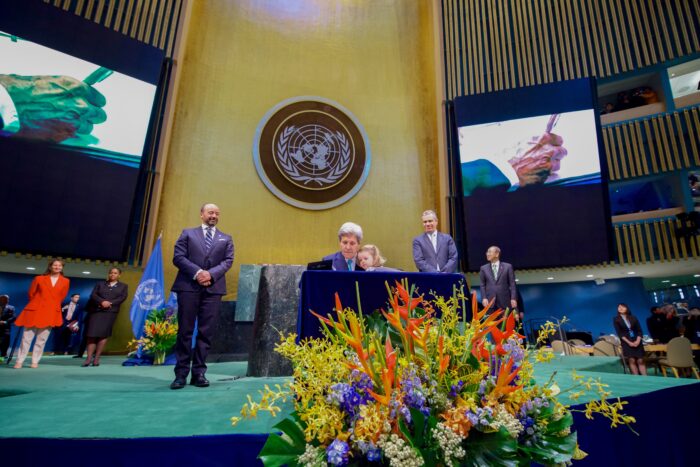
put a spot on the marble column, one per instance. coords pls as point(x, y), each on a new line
point(276, 310)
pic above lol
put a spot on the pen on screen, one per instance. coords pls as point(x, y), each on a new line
point(98, 75)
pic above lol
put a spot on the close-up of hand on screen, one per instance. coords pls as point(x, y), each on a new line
point(541, 160)
point(54, 108)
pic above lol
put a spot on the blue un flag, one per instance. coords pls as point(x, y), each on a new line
point(150, 294)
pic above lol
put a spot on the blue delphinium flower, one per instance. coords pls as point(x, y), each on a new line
point(413, 391)
point(337, 452)
point(455, 389)
point(370, 450)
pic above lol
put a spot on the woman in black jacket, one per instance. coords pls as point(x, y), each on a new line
point(105, 300)
point(629, 331)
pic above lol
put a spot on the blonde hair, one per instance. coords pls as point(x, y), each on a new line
point(379, 260)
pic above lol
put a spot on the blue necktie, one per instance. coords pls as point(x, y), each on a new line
point(208, 239)
point(349, 265)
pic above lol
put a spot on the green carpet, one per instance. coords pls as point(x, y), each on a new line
point(63, 400)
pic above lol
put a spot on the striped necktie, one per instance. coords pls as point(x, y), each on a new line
point(208, 238)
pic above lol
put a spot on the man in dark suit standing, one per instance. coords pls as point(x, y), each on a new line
point(434, 251)
point(7, 317)
point(202, 255)
point(498, 281)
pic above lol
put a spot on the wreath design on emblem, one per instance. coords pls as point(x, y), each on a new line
point(313, 154)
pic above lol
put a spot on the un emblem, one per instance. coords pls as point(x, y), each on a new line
point(311, 153)
point(148, 295)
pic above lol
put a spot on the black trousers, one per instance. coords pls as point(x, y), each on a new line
point(4, 343)
point(204, 308)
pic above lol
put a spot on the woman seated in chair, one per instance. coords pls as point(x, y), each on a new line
point(629, 331)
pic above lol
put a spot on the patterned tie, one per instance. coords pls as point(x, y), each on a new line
point(208, 238)
point(349, 265)
point(494, 266)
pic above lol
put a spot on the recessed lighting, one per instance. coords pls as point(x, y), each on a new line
point(666, 281)
point(696, 275)
point(589, 275)
point(31, 268)
point(86, 272)
point(550, 278)
point(631, 273)
point(517, 280)
point(673, 285)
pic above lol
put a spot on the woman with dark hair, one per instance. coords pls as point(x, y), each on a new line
point(105, 300)
point(629, 331)
point(43, 311)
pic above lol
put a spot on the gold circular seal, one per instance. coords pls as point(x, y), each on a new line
point(311, 153)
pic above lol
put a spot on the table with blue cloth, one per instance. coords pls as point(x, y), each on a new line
point(318, 290)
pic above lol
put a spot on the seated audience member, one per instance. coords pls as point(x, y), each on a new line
point(7, 317)
point(349, 237)
point(669, 324)
point(629, 331)
point(655, 323)
point(691, 325)
point(371, 259)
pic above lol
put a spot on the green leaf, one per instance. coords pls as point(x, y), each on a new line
point(293, 431)
point(496, 449)
point(559, 425)
point(285, 449)
point(418, 427)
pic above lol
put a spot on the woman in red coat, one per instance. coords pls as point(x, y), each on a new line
point(43, 311)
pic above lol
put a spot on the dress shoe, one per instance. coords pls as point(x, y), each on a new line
point(178, 383)
point(85, 363)
point(199, 381)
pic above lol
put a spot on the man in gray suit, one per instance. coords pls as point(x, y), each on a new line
point(497, 281)
point(434, 251)
point(203, 254)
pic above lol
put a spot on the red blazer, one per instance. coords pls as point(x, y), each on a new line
point(44, 307)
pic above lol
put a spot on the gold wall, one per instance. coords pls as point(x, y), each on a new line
point(242, 57)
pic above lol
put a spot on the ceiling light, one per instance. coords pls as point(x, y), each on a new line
point(665, 282)
point(517, 280)
point(589, 275)
point(550, 278)
point(673, 285)
point(31, 268)
point(631, 273)
point(696, 275)
point(86, 272)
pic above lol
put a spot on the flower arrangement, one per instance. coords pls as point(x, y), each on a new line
point(159, 334)
point(405, 388)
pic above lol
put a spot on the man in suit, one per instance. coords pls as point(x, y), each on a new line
point(434, 251)
point(7, 316)
point(349, 239)
point(67, 337)
point(498, 281)
point(202, 255)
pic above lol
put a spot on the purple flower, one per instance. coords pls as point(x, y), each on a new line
point(455, 389)
point(337, 452)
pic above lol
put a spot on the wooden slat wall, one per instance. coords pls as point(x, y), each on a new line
point(492, 45)
point(151, 21)
point(652, 145)
point(652, 241)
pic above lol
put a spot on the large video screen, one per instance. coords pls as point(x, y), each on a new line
point(76, 105)
point(531, 164)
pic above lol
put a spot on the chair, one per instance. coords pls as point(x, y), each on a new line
point(605, 348)
point(561, 347)
point(612, 339)
point(679, 355)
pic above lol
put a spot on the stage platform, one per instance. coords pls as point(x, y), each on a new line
point(64, 414)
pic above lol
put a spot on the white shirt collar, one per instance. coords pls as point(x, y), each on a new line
point(205, 227)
